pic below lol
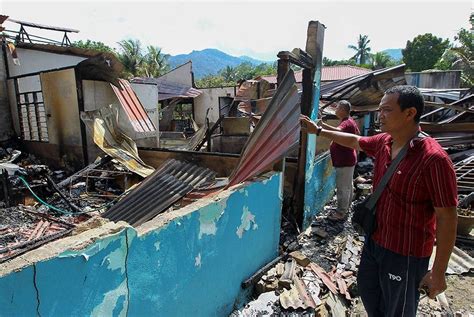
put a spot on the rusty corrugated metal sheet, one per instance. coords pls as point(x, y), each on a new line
point(133, 108)
point(276, 133)
point(172, 181)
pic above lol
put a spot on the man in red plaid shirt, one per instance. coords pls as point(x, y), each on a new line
point(417, 207)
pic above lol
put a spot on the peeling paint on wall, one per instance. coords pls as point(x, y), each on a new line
point(115, 260)
point(157, 245)
point(246, 192)
point(247, 219)
point(197, 260)
point(320, 188)
point(209, 216)
point(111, 300)
point(89, 251)
point(164, 269)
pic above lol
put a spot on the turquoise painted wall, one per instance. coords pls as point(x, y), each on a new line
point(192, 265)
point(320, 179)
point(319, 187)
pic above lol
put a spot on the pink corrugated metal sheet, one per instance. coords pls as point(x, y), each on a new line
point(339, 72)
point(329, 73)
point(133, 108)
point(276, 133)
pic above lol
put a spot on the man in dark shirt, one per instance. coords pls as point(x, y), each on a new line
point(343, 159)
point(417, 206)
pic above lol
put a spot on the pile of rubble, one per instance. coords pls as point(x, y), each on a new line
point(39, 205)
point(315, 275)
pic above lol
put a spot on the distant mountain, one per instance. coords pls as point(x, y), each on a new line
point(210, 61)
point(395, 53)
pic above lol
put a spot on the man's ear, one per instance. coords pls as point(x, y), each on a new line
point(411, 113)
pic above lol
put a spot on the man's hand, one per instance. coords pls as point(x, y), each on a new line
point(433, 283)
point(308, 124)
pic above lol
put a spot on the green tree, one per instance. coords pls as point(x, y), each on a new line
point(228, 73)
point(131, 56)
point(93, 45)
point(331, 62)
point(266, 69)
point(154, 63)
point(460, 56)
point(382, 60)
point(362, 49)
point(137, 62)
point(423, 52)
point(213, 81)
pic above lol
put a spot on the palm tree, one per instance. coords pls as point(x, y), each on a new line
point(154, 63)
point(229, 74)
point(151, 64)
point(131, 56)
point(381, 60)
point(362, 50)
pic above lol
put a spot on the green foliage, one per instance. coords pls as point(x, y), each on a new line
point(424, 51)
point(382, 60)
point(155, 63)
point(362, 49)
point(140, 63)
point(350, 62)
point(229, 76)
point(213, 81)
point(460, 56)
point(93, 45)
point(330, 62)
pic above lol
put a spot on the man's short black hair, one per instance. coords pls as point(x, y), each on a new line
point(345, 104)
point(409, 96)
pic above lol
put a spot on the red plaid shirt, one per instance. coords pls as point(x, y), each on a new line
point(342, 156)
point(424, 179)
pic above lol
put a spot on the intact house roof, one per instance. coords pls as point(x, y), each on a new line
point(329, 73)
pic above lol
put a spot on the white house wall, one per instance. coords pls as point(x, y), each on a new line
point(148, 96)
point(180, 75)
point(33, 61)
point(210, 99)
point(98, 94)
point(30, 83)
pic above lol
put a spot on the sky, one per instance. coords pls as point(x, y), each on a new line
point(257, 29)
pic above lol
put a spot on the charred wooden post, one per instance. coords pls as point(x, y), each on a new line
point(314, 49)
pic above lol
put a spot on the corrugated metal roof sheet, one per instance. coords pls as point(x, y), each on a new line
point(364, 91)
point(338, 72)
point(450, 94)
point(328, 73)
point(133, 108)
point(168, 89)
point(276, 133)
point(43, 26)
point(172, 181)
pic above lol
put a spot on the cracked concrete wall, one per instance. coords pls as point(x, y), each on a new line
point(187, 262)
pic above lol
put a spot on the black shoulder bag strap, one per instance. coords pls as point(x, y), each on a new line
point(386, 177)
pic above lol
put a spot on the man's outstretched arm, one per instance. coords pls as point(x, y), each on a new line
point(342, 138)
